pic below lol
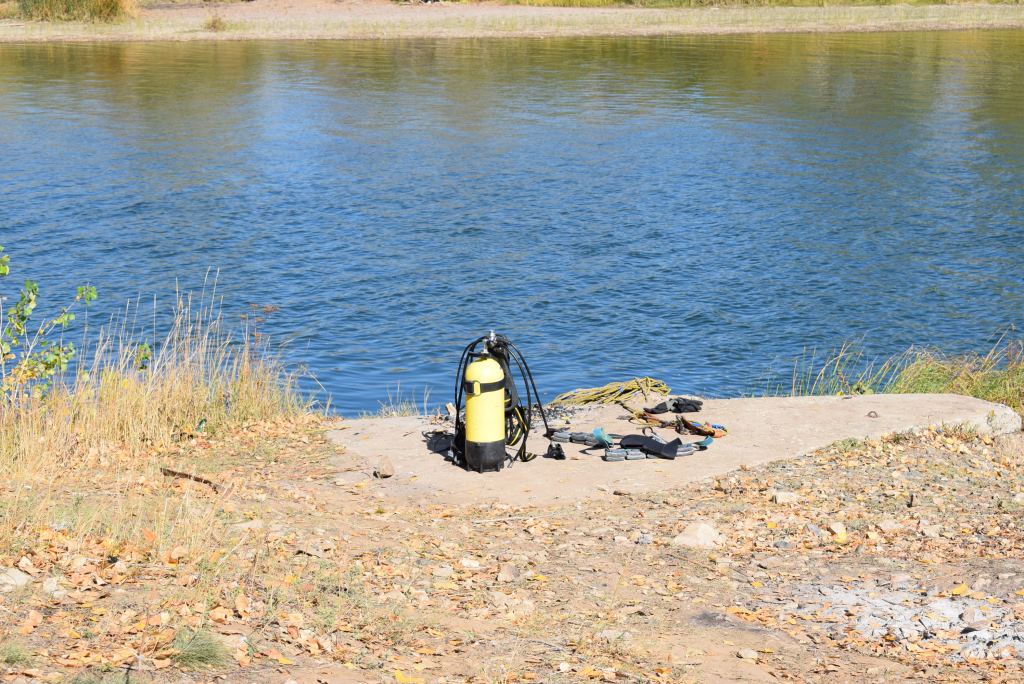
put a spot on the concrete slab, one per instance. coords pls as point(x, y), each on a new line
point(760, 430)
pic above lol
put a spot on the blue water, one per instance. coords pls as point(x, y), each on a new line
point(700, 209)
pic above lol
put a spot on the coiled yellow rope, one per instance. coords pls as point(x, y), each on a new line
point(613, 392)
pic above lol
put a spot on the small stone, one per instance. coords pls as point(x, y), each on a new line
point(784, 498)
point(887, 526)
point(645, 538)
point(509, 572)
point(12, 578)
point(726, 485)
point(699, 535)
point(470, 563)
point(384, 468)
point(51, 587)
point(317, 548)
point(973, 618)
point(816, 531)
point(900, 578)
point(255, 524)
point(747, 654)
point(613, 635)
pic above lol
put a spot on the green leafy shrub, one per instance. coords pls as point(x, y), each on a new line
point(30, 356)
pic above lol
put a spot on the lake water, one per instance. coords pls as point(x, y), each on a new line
point(700, 209)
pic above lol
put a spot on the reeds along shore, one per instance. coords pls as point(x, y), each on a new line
point(996, 376)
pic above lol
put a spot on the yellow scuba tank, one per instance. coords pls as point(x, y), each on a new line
point(494, 415)
point(484, 384)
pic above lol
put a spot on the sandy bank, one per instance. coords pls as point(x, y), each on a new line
point(761, 430)
point(317, 19)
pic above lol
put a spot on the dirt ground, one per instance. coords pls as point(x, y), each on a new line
point(327, 19)
point(894, 559)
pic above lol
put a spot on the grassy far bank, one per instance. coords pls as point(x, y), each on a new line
point(317, 19)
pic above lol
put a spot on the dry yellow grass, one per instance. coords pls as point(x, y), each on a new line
point(79, 456)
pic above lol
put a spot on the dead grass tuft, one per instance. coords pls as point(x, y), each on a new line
point(216, 24)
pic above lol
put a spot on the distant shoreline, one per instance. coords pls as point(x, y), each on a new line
point(370, 19)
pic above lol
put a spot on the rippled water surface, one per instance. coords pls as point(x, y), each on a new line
point(696, 208)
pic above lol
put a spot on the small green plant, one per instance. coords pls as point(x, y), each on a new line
point(198, 649)
point(30, 357)
point(14, 654)
point(845, 446)
point(397, 406)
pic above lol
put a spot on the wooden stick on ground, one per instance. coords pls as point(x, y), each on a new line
point(189, 476)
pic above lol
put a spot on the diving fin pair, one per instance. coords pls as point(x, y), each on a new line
point(657, 446)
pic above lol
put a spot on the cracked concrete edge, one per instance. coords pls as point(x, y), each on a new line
point(1000, 420)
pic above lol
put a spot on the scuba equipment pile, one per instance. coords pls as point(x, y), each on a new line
point(492, 422)
point(648, 444)
point(494, 416)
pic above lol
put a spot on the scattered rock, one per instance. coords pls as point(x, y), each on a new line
point(12, 578)
point(816, 531)
point(783, 498)
point(613, 635)
point(838, 531)
point(51, 587)
point(509, 572)
point(699, 535)
point(383, 468)
point(255, 524)
point(317, 548)
point(887, 526)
